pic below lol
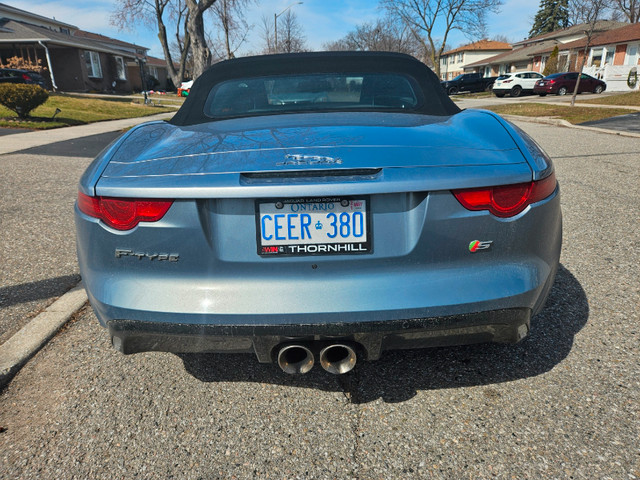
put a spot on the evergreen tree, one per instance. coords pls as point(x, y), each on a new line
point(552, 62)
point(552, 15)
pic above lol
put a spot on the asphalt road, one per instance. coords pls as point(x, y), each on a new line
point(37, 190)
point(563, 404)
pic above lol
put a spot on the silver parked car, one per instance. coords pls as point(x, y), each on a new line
point(318, 206)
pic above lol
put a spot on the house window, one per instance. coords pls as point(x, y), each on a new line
point(93, 64)
point(460, 57)
point(563, 62)
point(632, 55)
point(596, 57)
point(608, 59)
point(120, 70)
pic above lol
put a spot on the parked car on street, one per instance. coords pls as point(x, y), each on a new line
point(468, 82)
point(563, 83)
point(14, 75)
point(516, 83)
point(373, 215)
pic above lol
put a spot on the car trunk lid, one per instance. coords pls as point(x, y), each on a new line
point(310, 153)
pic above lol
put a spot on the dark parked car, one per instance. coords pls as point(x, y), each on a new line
point(372, 215)
point(468, 82)
point(14, 75)
point(563, 83)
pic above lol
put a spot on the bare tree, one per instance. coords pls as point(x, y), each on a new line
point(290, 34)
point(189, 14)
point(427, 18)
point(195, 27)
point(157, 13)
point(386, 34)
point(629, 8)
point(478, 29)
point(501, 38)
point(591, 10)
point(267, 34)
point(232, 27)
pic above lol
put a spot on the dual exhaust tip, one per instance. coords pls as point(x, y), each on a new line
point(298, 359)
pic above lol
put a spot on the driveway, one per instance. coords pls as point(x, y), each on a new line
point(624, 123)
point(464, 101)
point(564, 403)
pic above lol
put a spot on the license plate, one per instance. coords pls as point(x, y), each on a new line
point(318, 226)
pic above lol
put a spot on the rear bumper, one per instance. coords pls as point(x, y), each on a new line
point(546, 89)
point(371, 338)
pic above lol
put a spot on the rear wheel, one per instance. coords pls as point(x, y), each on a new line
point(516, 91)
point(598, 89)
point(452, 90)
point(562, 91)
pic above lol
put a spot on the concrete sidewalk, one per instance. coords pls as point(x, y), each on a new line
point(21, 141)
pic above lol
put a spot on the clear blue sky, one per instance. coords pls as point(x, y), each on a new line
point(322, 20)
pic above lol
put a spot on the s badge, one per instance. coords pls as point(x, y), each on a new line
point(476, 245)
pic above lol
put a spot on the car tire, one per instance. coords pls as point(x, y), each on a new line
point(516, 91)
point(542, 94)
point(598, 89)
point(499, 95)
point(562, 91)
point(452, 90)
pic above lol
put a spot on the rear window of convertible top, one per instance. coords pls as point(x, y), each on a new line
point(312, 92)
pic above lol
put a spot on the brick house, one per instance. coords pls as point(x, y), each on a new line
point(612, 56)
point(454, 62)
point(532, 53)
point(73, 60)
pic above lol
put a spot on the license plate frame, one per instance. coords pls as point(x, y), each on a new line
point(318, 208)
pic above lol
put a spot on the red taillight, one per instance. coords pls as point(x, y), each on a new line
point(551, 82)
point(26, 77)
point(506, 200)
point(507, 81)
point(123, 213)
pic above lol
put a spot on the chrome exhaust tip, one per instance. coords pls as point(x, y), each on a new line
point(338, 358)
point(295, 359)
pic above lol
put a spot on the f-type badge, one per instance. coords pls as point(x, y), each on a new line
point(308, 160)
point(476, 245)
point(159, 257)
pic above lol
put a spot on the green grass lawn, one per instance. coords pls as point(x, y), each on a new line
point(77, 111)
point(573, 115)
point(631, 99)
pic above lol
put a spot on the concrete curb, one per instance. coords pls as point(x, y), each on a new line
point(563, 123)
point(16, 351)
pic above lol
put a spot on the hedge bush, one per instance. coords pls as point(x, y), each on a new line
point(22, 98)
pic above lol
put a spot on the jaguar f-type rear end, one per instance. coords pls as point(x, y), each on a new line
point(307, 226)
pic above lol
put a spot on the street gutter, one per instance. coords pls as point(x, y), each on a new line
point(24, 344)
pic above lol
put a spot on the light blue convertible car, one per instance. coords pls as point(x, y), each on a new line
point(318, 207)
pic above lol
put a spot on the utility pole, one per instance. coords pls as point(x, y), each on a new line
point(275, 22)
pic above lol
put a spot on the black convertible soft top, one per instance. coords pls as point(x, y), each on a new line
point(436, 102)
